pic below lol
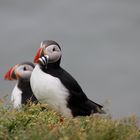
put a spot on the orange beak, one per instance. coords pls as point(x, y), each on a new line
point(39, 52)
point(8, 75)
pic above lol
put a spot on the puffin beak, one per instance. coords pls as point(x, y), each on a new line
point(39, 52)
point(8, 75)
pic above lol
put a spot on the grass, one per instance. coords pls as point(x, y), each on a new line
point(33, 123)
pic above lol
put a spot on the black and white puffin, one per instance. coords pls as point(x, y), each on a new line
point(22, 92)
point(53, 85)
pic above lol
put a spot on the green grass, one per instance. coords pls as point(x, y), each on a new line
point(31, 123)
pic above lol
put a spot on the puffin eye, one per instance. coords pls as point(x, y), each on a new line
point(24, 68)
point(53, 49)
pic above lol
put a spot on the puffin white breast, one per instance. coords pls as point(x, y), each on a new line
point(49, 89)
point(16, 97)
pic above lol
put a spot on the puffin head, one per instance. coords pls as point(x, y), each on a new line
point(20, 71)
point(48, 53)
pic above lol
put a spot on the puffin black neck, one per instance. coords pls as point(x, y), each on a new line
point(23, 84)
point(54, 65)
point(27, 94)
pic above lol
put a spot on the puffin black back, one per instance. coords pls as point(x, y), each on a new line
point(77, 101)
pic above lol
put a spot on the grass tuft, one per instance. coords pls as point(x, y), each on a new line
point(41, 123)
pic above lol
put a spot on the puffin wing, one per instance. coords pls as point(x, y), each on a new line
point(77, 100)
point(70, 83)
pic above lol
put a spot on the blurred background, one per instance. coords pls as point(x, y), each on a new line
point(100, 41)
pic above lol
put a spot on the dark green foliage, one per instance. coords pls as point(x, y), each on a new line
point(34, 123)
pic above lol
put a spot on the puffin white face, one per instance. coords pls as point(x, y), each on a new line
point(54, 53)
point(19, 71)
point(24, 71)
point(51, 50)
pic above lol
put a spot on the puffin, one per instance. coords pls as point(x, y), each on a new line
point(53, 85)
point(22, 92)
